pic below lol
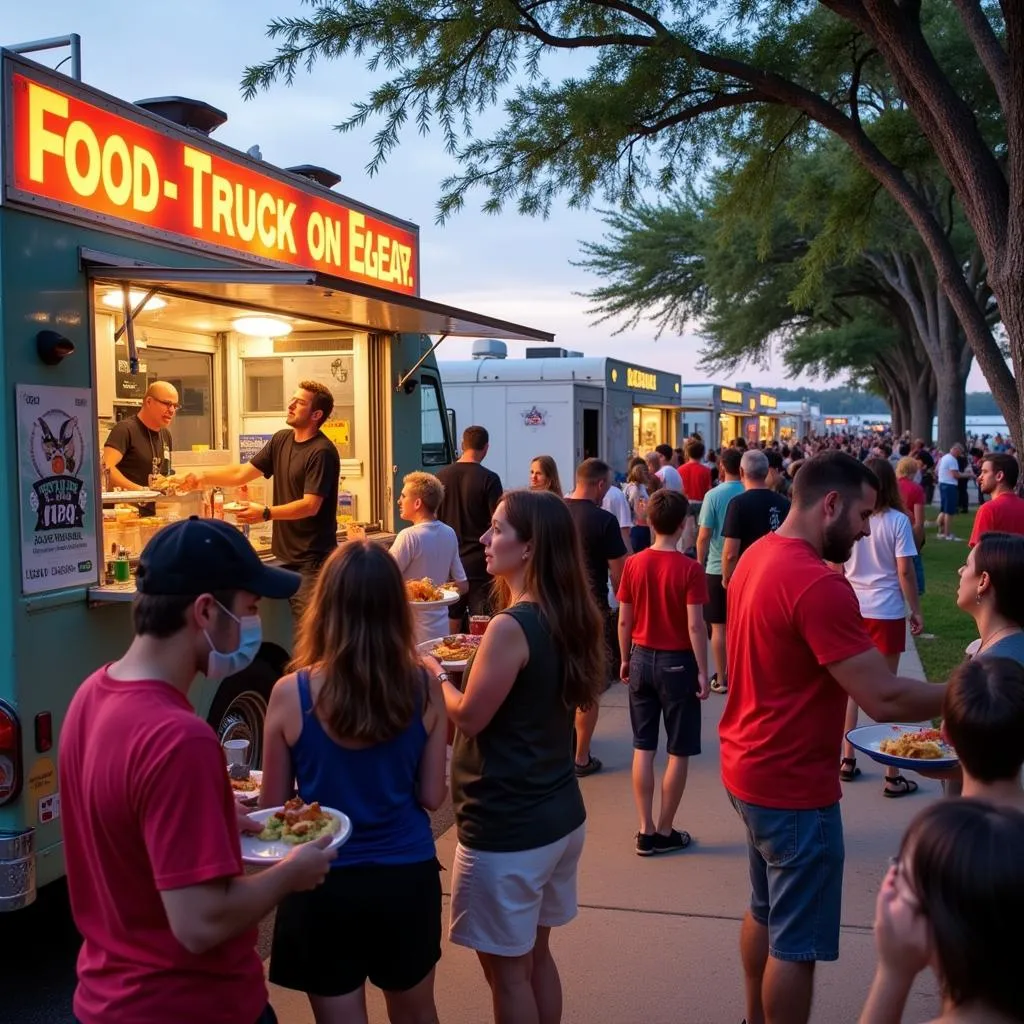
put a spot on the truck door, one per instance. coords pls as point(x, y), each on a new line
point(588, 429)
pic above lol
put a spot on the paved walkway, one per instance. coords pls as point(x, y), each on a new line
point(656, 938)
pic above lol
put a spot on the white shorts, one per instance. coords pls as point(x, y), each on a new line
point(499, 900)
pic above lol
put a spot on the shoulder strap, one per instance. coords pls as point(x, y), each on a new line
point(305, 695)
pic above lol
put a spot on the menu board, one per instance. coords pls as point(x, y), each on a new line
point(56, 473)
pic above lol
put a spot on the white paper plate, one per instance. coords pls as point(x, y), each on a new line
point(868, 739)
point(260, 851)
point(128, 496)
point(428, 645)
point(246, 795)
point(450, 597)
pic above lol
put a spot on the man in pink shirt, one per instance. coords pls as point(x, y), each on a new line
point(1005, 512)
point(151, 827)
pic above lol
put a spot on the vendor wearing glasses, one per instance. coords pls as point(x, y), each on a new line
point(138, 447)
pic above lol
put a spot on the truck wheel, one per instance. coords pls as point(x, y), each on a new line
point(240, 707)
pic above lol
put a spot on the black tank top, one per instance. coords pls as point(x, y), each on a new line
point(513, 784)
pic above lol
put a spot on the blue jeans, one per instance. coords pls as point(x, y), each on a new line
point(949, 499)
point(919, 573)
point(796, 878)
point(664, 684)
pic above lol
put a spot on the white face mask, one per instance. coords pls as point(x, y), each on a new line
point(221, 664)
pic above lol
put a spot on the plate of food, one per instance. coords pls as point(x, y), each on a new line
point(452, 651)
point(292, 825)
point(911, 747)
point(425, 593)
point(245, 786)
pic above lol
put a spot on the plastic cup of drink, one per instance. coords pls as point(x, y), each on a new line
point(236, 751)
point(478, 624)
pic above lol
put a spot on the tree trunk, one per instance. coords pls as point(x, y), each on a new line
point(952, 414)
point(1010, 294)
point(922, 406)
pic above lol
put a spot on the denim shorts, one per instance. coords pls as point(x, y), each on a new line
point(796, 878)
point(949, 499)
point(664, 684)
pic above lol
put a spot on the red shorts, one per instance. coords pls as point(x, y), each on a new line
point(888, 635)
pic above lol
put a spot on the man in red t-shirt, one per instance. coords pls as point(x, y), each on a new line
point(1005, 512)
point(151, 826)
point(797, 648)
point(696, 476)
point(664, 659)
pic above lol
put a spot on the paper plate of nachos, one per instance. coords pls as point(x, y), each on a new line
point(425, 593)
point(452, 651)
point(292, 825)
point(911, 747)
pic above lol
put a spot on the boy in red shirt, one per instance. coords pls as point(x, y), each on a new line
point(1005, 512)
point(151, 826)
point(696, 476)
point(664, 659)
point(797, 648)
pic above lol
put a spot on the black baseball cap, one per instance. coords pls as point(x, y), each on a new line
point(198, 556)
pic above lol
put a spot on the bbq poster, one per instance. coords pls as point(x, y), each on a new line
point(56, 477)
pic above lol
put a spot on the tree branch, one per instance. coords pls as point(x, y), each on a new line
point(990, 51)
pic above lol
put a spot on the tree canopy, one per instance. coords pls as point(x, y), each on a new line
point(667, 82)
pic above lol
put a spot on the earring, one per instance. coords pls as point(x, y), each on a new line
point(977, 598)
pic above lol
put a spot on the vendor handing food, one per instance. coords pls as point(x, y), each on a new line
point(139, 447)
point(305, 468)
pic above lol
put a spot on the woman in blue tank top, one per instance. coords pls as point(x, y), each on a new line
point(361, 726)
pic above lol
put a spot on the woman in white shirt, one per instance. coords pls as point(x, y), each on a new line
point(428, 548)
point(881, 572)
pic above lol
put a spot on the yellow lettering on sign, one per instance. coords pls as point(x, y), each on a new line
point(200, 164)
point(641, 379)
point(41, 141)
point(734, 397)
point(769, 401)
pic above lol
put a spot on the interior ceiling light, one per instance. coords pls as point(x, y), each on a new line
point(261, 327)
point(115, 300)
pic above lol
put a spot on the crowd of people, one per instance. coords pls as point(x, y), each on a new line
point(704, 573)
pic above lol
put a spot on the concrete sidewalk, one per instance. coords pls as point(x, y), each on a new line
point(656, 940)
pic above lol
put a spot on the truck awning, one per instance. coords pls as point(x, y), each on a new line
point(317, 297)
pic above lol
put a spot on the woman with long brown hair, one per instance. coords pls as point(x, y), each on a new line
point(360, 725)
point(881, 571)
point(544, 475)
point(518, 808)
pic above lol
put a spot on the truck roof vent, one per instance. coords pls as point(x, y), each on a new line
point(321, 175)
point(550, 352)
point(489, 348)
point(195, 115)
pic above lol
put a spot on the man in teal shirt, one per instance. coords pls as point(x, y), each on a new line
point(709, 553)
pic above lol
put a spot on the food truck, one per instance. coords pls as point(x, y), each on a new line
point(561, 404)
point(134, 247)
point(722, 414)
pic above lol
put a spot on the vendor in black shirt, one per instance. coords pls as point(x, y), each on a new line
point(604, 553)
point(757, 511)
point(138, 447)
point(471, 494)
point(305, 468)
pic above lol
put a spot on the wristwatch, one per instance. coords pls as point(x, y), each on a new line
point(266, 513)
point(443, 677)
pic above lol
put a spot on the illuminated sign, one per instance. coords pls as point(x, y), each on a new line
point(769, 401)
point(730, 396)
point(102, 166)
point(642, 380)
point(835, 421)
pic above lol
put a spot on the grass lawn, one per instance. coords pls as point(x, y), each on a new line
point(953, 629)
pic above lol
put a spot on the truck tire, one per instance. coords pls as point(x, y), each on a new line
point(239, 710)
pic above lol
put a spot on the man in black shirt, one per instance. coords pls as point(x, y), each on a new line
point(138, 447)
point(752, 514)
point(604, 553)
point(305, 468)
point(471, 494)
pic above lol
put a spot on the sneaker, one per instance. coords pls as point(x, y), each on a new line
point(644, 844)
point(674, 841)
point(717, 687)
point(591, 766)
